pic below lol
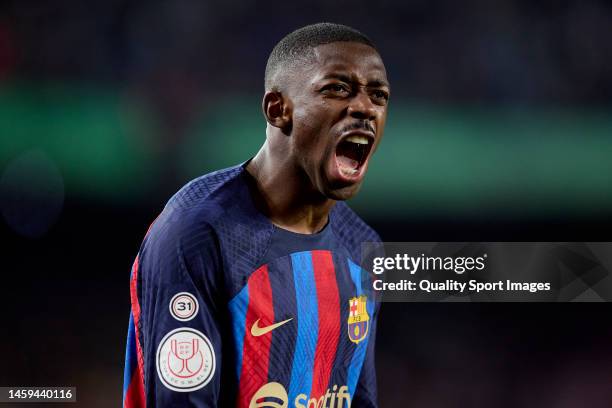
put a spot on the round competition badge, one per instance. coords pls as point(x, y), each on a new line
point(185, 360)
point(183, 306)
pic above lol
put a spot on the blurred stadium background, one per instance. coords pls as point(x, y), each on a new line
point(500, 128)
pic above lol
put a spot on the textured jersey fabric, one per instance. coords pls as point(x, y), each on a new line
point(246, 276)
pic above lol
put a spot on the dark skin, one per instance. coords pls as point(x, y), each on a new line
point(341, 92)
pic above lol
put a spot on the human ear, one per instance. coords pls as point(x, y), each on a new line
point(278, 110)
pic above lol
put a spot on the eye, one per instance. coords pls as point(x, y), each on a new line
point(380, 95)
point(336, 89)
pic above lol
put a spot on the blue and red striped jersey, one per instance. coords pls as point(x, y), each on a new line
point(230, 310)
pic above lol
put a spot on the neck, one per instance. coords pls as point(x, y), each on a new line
point(285, 194)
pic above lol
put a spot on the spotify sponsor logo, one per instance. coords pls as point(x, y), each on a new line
point(274, 395)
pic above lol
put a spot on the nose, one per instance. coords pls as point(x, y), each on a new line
point(361, 107)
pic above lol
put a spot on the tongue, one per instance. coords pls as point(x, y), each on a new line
point(347, 155)
point(347, 162)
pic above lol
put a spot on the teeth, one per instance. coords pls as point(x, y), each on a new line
point(348, 171)
point(357, 139)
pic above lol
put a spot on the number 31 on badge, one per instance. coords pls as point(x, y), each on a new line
point(183, 306)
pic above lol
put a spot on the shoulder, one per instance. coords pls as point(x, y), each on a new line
point(201, 202)
point(206, 193)
point(185, 228)
point(350, 229)
point(211, 223)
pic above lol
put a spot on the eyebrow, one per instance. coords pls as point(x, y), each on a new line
point(345, 78)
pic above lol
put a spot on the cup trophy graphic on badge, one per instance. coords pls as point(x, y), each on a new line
point(185, 360)
point(189, 355)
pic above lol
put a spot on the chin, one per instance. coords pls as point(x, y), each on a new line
point(342, 193)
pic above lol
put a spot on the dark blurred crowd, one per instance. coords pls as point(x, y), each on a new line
point(183, 52)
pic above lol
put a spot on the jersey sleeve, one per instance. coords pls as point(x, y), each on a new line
point(176, 317)
point(366, 391)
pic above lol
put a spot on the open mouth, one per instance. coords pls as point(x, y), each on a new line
point(352, 152)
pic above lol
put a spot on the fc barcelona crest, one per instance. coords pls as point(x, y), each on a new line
point(358, 319)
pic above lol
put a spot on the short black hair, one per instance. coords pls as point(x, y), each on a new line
point(298, 44)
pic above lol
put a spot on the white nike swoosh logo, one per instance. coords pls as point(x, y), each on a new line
point(257, 331)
